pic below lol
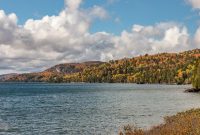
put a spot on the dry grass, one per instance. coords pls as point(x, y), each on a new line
point(185, 123)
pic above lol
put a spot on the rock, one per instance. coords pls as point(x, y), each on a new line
point(193, 90)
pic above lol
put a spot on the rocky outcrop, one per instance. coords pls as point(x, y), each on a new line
point(193, 90)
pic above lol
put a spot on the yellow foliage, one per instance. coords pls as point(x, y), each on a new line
point(185, 123)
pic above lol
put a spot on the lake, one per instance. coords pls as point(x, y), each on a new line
point(87, 109)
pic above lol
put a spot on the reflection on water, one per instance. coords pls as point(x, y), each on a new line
point(39, 108)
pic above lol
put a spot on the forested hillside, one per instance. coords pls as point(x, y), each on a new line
point(165, 68)
point(196, 76)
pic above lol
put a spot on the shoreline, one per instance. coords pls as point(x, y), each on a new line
point(182, 123)
point(192, 90)
point(92, 83)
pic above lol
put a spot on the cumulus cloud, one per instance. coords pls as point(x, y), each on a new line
point(162, 37)
point(197, 37)
point(39, 44)
point(194, 3)
point(73, 4)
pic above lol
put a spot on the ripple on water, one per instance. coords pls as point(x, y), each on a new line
point(87, 109)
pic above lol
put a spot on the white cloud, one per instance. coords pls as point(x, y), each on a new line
point(97, 11)
point(39, 44)
point(73, 4)
point(163, 37)
point(194, 3)
point(197, 37)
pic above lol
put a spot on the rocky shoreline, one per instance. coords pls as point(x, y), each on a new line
point(193, 90)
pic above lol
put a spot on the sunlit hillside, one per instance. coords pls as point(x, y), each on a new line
point(164, 68)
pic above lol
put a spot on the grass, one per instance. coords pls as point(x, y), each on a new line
point(184, 123)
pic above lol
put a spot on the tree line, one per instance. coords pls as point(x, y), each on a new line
point(164, 68)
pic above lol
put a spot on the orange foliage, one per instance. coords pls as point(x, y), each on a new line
point(185, 123)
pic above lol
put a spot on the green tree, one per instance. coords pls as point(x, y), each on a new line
point(196, 76)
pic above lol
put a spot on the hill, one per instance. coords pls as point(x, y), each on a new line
point(164, 68)
point(69, 68)
point(7, 76)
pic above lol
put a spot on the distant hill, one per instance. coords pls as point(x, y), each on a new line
point(7, 76)
point(69, 68)
point(163, 68)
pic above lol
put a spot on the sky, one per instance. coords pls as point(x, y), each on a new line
point(35, 35)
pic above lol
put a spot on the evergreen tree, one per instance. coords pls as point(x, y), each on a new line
point(196, 76)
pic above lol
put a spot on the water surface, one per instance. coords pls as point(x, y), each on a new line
point(87, 109)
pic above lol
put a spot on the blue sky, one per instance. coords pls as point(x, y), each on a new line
point(122, 13)
point(37, 34)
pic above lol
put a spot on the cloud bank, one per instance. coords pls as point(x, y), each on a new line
point(66, 37)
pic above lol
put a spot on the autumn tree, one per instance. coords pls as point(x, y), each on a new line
point(196, 76)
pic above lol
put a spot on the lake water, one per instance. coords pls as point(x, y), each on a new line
point(87, 109)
